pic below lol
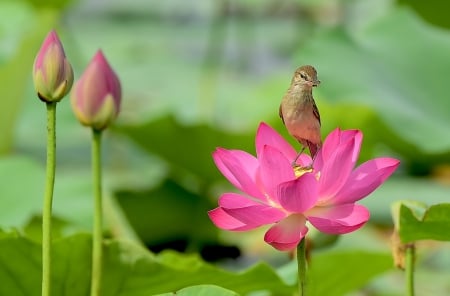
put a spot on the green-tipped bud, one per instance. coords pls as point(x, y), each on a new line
point(96, 96)
point(52, 73)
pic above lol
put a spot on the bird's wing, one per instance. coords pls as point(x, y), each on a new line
point(315, 111)
point(280, 112)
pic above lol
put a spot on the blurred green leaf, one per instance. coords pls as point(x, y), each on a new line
point(433, 11)
point(52, 4)
point(183, 214)
point(21, 191)
point(383, 67)
point(20, 46)
point(340, 273)
point(202, 290)
point(417, 208)
point(33, 229)
point(258, 277)
point(128, 270)
point(401, 188)
point(73, 199)
point(363, 118)
point(20, 266)
point(21, 196)
point(188, 149)
point(434, 223)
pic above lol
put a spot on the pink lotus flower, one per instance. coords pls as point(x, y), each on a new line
point(52, 73)
point(96, 96)
point(273, 192)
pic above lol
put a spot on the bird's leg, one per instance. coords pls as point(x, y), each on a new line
point(313, 158)
point(311, 165)
point(294, 163)
point(313, 149)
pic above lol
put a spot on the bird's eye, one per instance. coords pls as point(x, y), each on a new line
point(303, 76)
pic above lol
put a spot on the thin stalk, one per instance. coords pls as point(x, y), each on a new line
point(97, 251)
point(301, 263)
point(48, 198)
point(409, 266)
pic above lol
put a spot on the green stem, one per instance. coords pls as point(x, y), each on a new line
point(98, 229)
point(48, 197)
point(410, 259)
point(301, 263)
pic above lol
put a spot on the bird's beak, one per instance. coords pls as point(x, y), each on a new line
point(316, 83)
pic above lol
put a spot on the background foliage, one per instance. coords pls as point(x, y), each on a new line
point(202, 74)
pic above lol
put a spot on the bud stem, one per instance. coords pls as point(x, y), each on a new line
point(301, 263)
point(409, 267)
point(48, 197)
point(98, 228)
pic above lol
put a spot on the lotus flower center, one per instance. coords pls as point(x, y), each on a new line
point(300, 170)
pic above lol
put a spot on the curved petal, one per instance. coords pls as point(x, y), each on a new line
point(333, 141)
point(239, 167)
point(224, 221)
point(256, 215)
point(336, 170)
point(233, 200)
point(286, 234)
point(248, 211)
point(298, 195)
point(338, 219)
point(365, 179)
point(357, 136)
point(274, 169)
point(328, 147)
point(304, 160)
point(267, 136)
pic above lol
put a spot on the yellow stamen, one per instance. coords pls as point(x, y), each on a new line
point(300, 170)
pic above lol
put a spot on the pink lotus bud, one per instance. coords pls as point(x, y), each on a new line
point(52, 73)
point(96, 95)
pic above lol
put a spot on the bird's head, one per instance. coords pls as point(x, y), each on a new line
point(305, 76)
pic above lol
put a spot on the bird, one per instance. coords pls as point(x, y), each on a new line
point(299, 111)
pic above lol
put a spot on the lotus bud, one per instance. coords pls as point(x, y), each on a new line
point(96, 96)
point(52, 73)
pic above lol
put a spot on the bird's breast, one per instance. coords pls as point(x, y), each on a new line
point(300, 121)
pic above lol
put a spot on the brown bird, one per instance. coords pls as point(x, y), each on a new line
point(299, 112)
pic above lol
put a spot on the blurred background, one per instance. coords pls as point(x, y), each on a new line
point(202, 74)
